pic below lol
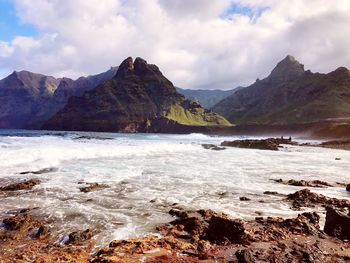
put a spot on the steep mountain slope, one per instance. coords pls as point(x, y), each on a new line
point(137, 98)
point(206, 98)
point(21, 95)
point(290, 95)
point(28, 99)
point(66, 89)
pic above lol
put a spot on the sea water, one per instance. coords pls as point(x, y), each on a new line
point(148, 174)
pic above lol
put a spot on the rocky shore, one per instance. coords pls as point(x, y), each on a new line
point(193, 236)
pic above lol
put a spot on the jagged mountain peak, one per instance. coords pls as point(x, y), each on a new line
point(288, 67)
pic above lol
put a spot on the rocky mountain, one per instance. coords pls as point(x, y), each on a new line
point(138, 98)
point(21, 95)
point(206, 98)
point(28, 99)
point(290, 95)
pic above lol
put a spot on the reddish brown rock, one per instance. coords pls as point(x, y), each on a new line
point(25, 185)
point(314, 183)
point(306, 198)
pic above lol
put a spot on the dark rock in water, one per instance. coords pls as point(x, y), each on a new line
point(273, 193)
point(86, 137)
point(213, 147)
point(243, 198)
point(26, 185)
point(305, 198)
point(93, 187)
point(263, 144)
point(337, 224)
point(77, 238)
point(348, 188)
point(42, 171)
point(314, 183)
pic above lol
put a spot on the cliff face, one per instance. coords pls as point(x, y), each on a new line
point(290, 95)
point(28, 99)
point(137, 98)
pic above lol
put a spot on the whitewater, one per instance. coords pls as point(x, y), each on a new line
point(148, 174)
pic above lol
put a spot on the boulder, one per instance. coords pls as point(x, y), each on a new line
point(337, 224)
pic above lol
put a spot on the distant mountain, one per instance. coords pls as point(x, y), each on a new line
point(290, 95)
point(28, 99)
point(206, 98)
point(138, 98)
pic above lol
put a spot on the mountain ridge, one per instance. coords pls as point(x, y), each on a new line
point(290, 95)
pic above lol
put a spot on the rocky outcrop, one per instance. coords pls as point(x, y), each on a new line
point(264, 144)
point(25, 185)
point(306, 198)
point(337, 224)
point(135, 100)
point(290, 95)
point(313, 183)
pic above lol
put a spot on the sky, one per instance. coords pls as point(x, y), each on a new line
point(210, 44)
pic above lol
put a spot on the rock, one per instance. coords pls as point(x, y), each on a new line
point(213, 147)
point(25, 185)
point(314, 183)
point(221, 229)
point(348, 188)
point(337, 224)
point(273, 193)
point(245, 256)
point(263, 144)
point(16, 222)
point(305, 198)
point(243, 198)
point(93, 187)
point(42, 171)
point(79, 237)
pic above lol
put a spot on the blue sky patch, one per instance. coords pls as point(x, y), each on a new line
point(10, 24)
point(252, 13)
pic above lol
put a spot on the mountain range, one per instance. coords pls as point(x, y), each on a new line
point(137, 99)
point(290, 95)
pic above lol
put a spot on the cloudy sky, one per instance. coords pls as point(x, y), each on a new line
point(196, 43)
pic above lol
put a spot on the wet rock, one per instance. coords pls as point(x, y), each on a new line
point(314, 183)
point(79, 237)
point(306, 198)
point(337, 224)
point(42, 171)
point(93, 187)
point(243, 198)
point(213, 147)
point(348, 188)
point(16, 222)
point(263, 144)
point(273, 193)
point(25, 185)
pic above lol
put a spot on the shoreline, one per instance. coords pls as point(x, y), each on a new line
point(193, 236)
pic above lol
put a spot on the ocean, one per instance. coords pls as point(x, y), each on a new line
point(148, 174)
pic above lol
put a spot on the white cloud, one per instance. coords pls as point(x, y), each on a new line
point(191, 41)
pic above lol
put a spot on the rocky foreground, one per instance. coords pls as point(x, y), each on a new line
point(193, 236)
